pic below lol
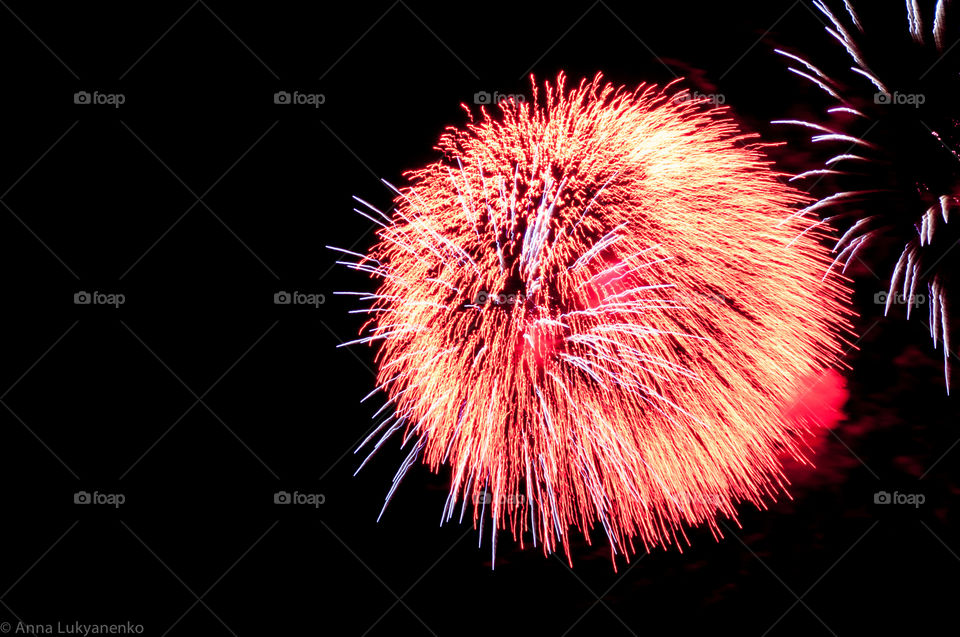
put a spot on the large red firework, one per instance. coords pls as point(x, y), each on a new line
point(593, 309)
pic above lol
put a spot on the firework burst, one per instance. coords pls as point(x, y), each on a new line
point(588, 309)
point(891, 169)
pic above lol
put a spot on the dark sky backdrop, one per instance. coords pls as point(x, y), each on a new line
point(199, 199)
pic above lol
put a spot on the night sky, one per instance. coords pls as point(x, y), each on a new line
point(198, 398)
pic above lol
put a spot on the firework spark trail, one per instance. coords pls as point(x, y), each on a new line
point(916, 180)
point(589, 311)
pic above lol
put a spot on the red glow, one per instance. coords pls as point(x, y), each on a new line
point(816, 410)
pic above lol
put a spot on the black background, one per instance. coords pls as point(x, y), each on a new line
point(199, 199)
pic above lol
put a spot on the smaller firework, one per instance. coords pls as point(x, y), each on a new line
point(891, 171)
